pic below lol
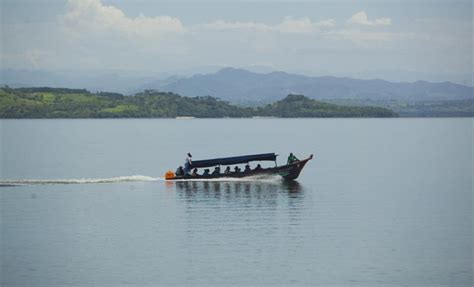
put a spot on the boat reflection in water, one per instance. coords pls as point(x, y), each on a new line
point(235, 190)
point(236, 213)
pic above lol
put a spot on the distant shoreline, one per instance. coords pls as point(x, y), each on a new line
point(252, 118)
point(51, 103)
point(63, 103)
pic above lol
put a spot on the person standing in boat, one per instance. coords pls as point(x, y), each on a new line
point(292, 158)
point(187, 164)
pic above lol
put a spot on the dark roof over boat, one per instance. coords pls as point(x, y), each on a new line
point(233, 160)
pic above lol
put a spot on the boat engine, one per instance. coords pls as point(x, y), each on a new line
point(169, 175)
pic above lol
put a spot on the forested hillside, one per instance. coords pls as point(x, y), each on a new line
point(78, 103)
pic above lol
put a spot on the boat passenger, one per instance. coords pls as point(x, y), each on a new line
point(247, 167)
point(195, 172)
point(236, 169)
point(187, 164)
point(216, 171)
point(227, 170)
point(206, 172)
point(179, 171)
point(258, 167)
point(292, 158)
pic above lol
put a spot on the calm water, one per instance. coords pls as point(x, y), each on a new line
point(384, 202)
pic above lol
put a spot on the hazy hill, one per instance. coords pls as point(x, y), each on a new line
point(112, 81)
point(238, 85)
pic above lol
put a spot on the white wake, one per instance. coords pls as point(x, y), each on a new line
point(131, 178)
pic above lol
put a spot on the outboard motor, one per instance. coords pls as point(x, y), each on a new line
point(169, 175)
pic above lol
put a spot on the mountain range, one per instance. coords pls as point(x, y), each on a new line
point(237, 85)
point(243, 86)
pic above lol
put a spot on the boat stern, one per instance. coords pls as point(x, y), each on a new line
point(169, 175)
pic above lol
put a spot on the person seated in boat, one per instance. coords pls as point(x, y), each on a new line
point(292, 158)
point(195, 172)
point(206, 172)
point(247, 167)
point(227, 170)
point(187, 164)
point(179, 171)
point(216, 171)
point(258, 167)
point(236, 169)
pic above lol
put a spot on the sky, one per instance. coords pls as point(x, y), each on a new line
point(394, 40)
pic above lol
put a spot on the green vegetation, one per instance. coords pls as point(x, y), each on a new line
point(404, 108)
point(300, 106)
point(77, 103)
point(450, 108)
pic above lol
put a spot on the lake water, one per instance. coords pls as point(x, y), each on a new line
point(384, 202)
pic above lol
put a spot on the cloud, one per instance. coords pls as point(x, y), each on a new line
point(93, 35)
point(101, 34)
point(360, 18)
point(96, 17)
point(224, 25)
point(372, 40)
point(91, 19)
point(288, 25)
point(104, 33)
point(303, 25)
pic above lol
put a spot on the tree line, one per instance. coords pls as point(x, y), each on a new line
point(46, 102)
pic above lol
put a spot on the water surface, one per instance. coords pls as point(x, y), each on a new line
point(384, 202)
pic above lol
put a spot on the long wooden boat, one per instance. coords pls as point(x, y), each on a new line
point(289, 171)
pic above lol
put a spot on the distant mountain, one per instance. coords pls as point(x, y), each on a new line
point(113, 81)
point(239, 85)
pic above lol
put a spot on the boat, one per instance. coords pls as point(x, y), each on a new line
point(290, 171)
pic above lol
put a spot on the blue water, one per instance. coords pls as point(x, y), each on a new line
point(384, 202)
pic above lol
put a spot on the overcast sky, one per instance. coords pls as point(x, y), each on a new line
point(428, 40)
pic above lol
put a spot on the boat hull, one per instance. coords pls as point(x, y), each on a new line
point(287, 172)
